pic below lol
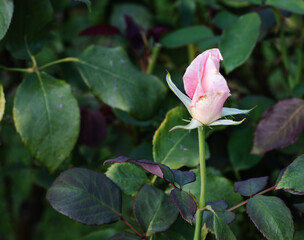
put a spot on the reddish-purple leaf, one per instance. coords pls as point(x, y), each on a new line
point(93, 128)
point(183, 177)
point(184, 203)
point(250, 186)
point(100, 30)
point(280, 126)
point(157, 33)
point(134, 33)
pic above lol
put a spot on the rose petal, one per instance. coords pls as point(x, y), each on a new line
point(209, 107)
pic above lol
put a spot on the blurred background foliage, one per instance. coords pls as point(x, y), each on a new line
point(262, 45)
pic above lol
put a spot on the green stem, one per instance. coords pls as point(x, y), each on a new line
point(68, 59)
point(201, 205)
point(283, 47)
point(155, 52)
point(300, 54)
point(25, 70)
point(191, 52)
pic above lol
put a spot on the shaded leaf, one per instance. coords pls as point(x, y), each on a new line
point(185, 36)
point(134, 33)
point(240, 157)
point(293, 177)
point(29, 19)
point(170, 235)
point(125, 236)
point(219, 207)
point(100, 30)
point(250, 186)
point(221, 229)
point(86, 196)
point(280, 126)
point(6, 13)
point(177, 148)
point(154, 211)
point(2, 102)
point(87, 2)
point(115, 81)
point(183, 177)
point(299, 235)
point(299, 206)
point(261, 103)
point(93, 127)
point(238, 40)
point(46, 116)
point(128, 177)
point(223, 19)
point(271, 216)
point(223, 185)
point(184, 203)
point(295, 6)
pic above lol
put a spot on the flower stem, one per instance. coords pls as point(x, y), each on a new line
point(201, 205)
point(155, 52)
point(25, 70)
point(68, 59)
point(191, 52)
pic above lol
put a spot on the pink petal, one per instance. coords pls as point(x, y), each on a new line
point(209, 107)
point(196, 70)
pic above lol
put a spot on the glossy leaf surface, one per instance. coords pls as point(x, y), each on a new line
point(86, 196)
point(111, 76)
point(293, 177)
point(128, 177)
point(238, 40)
point(176, 148)
point(6, 13)
point(46, 116)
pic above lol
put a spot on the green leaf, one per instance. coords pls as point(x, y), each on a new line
point(184, 203)
point(154, 210)
point(295, 6)
point(293, 177)
point(185, 36)
point(271, 216)
point(240, 157)
point(177, 148)
point(101, 234)
point(224, 188)
point(239, 39)
point(170, 235)
point(299, 235)
point(46, 116)
point(221, 229)
point(86, 196)
point(127, 176)
point(109, 73)
point(6, 13)
point(29, 19)
point(223, 19)
point(124, 236)
point(87, 2)
point(259, 102)
point(2, 102)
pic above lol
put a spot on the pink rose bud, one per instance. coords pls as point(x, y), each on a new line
point(206, 87)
